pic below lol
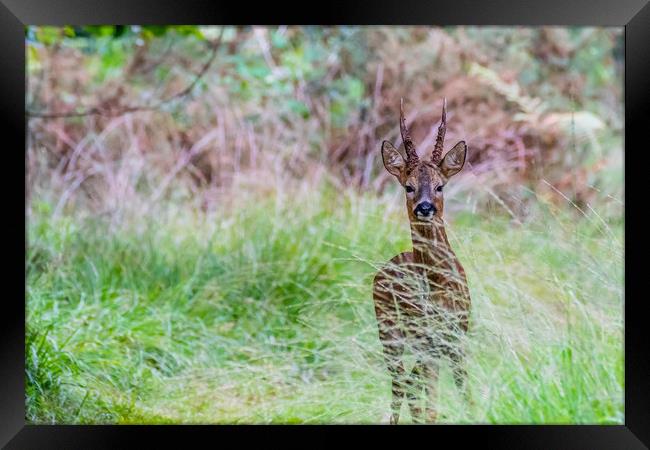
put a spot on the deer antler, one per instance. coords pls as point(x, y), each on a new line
point(411, 154)
point(436, 155)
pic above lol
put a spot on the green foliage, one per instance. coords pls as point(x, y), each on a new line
point(347, 95)
point(49, 35)
point(264, 314)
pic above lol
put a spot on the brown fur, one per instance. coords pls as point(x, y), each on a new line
point(421, 297)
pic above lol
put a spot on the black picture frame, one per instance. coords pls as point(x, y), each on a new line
point(633, 15)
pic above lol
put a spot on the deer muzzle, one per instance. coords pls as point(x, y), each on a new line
point(424, 210)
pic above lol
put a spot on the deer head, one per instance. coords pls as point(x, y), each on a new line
point(424, 180)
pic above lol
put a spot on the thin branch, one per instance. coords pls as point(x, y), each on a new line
point(152, 65)
point(104, 111)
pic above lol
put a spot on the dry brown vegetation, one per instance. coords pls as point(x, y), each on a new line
point(310, 102)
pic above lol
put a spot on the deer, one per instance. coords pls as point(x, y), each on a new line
point(421, 297)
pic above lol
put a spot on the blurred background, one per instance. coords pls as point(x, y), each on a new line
point(207, 206)
point(216, 103)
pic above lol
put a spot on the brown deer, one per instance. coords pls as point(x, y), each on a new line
point(421, 297)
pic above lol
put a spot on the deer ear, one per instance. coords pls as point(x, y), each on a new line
point(454, 160)
point(393, 161)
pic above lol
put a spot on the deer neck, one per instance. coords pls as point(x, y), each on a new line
point(431, 248)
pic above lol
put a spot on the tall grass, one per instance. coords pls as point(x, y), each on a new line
point(211, 261)
point(260, 311)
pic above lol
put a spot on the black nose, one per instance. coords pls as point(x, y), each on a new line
point(425, 208)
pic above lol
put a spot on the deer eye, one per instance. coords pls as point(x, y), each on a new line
point(409, 189)
point(439, 188)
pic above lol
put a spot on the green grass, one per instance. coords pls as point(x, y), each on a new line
point(264, 314)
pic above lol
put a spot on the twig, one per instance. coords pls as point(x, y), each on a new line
point(152, 65)
point(103, 111)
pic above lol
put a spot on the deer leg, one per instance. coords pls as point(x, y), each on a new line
point(393, 357)
point(393, 343)
point(414, 385)
point(430, 357)
point(392, 339)
point(430, 374)
point(457, 357)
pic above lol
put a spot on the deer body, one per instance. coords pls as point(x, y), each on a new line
point(421, 297)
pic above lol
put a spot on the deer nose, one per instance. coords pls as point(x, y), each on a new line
point(425, 208)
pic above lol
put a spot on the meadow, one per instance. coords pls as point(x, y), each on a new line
point(209, 259)
point(264, 315)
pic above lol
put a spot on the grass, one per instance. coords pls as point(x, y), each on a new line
point(263, 314)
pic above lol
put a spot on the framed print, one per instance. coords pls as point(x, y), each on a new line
point(397, 213)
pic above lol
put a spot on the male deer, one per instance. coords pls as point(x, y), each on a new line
point(421, 297)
